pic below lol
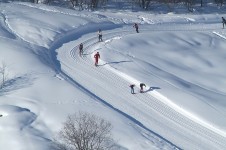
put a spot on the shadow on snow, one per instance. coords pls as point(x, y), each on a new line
point(16, 83)
point(114, 62)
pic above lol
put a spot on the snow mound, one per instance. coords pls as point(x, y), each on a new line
point(14, 116)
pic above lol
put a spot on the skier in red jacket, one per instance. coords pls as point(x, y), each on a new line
point(96, 56)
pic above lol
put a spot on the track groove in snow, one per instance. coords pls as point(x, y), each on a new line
point(78, 68)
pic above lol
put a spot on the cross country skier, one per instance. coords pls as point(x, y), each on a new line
point(132, 88)
point(81, 49)
point(223, 21)
point(100, 35)
point(96, 56)
point(136, 27)
point(142, 87)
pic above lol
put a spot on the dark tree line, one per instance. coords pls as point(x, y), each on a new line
point(143, 4)
point(189, 4)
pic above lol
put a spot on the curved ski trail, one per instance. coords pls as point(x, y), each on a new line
point(147, 110)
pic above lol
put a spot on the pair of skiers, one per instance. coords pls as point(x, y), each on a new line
point(99, 33)
point(96, 56)
point(142, 85)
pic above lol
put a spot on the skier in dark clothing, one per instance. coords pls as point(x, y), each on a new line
point(96, 56)
point(132, 88)
point(100, 35)
point(81, 49)
point(223, 22)
point(136, 27)
point(142, 87)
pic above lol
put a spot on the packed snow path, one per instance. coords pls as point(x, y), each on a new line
point(154, 116)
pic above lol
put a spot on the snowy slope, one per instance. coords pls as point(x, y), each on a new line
point(179, 57)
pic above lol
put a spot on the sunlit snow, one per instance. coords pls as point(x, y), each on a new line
point(180, 57)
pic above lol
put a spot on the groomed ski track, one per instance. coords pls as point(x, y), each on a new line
point(153, 115)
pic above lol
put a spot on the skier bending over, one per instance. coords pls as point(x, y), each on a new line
point(142, 87)
point(96, 56)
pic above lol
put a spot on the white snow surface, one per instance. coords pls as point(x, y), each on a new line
point(181, 58)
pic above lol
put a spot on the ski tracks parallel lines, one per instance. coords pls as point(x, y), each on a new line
point(146, 100)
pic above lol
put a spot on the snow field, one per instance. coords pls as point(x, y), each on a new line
point(180, 57)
